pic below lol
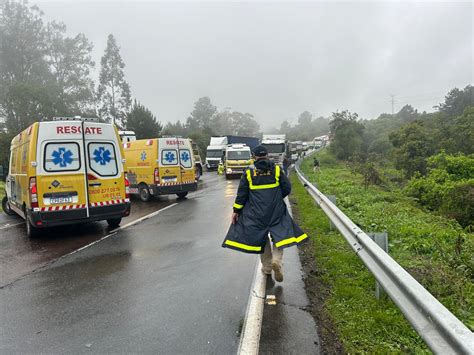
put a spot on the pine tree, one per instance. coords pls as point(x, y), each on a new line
point(114, 92)
point(142, 121)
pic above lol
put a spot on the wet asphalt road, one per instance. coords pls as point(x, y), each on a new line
point(20, 255)
point(163, 285)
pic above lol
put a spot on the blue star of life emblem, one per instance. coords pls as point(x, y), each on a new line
point(143, 156)
point(102, 156)
point(184, 156)
point(169, 157)
point(62, 157)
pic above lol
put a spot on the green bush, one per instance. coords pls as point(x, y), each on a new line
point(448, 187)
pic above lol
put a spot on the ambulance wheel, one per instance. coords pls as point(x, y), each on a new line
point(198, 172)
point(144, 193)
point(6, 206)
point(182, 194)
point(31, 231)
point(114, 222)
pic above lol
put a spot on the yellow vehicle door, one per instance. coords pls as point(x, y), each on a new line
point(60, 171)
point(105, 175)
point(186, 159)
point(168, 157)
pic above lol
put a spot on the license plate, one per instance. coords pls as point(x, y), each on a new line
point(60, 200)
point(170, 179)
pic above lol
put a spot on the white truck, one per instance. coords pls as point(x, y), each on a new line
point(276, 147)
point(215, 152)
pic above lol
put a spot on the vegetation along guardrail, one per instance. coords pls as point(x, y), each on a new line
point(439, 328)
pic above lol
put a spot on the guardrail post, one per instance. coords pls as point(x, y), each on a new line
point(381, 238)
point(333, 199)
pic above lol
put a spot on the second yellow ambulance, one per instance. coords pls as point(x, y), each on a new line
point(160, 166)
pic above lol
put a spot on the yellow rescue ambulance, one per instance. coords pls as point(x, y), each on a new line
point(67, 171)
point(160, 166)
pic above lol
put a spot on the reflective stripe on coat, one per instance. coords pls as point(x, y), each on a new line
point(262, 210)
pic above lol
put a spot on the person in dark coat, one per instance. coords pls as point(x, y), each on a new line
point(260, 212)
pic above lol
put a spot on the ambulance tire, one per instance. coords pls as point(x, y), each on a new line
point(114, 222)
point(31, 231)
point(182, 194)
point(198, 172)
point(6, 206)
point(144, 193)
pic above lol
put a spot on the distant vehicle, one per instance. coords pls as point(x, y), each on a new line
point(251, 142)
point(215, 152)
point(218, 145)
point(237, 158)
point(320, 141)
point(197, 159)
point(305, 146)
point(160, 166)
point(67, 171)
point(292, 151)
point(276, 146)
point(127, 136)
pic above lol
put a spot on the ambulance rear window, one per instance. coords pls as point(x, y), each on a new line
point(61, 156)
point(185, 158)
point(102, 159)
point(169, 157)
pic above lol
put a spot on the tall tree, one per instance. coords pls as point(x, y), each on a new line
point(413, 145)
point(142, 121)
point(113, 92)
point(201, 116)
point(457, 100)
point(243, 124)
point(71, 63)
point(347, 135)
point(24, 74)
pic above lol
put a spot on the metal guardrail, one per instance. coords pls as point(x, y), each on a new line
point(439, 328)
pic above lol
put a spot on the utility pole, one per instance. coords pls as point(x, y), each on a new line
point(392, 96)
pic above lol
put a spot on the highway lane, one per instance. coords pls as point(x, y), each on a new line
point(20, 255)
point(163, 285)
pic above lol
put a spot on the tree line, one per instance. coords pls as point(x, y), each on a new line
point(434, 151)
point(45, 73)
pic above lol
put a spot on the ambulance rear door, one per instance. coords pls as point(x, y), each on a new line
point(60, 169)
point(105, 174)
point(186, 159)
point(168, 157)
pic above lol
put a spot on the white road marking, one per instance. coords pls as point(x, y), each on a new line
point(250, 337)
point(114, 232)
point(8, 225)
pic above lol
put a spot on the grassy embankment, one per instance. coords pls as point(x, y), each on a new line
point(435, 250)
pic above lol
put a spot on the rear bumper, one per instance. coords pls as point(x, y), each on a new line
point(79, 215)
point(172, 189)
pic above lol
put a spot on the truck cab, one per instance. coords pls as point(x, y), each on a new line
point(276, 147)
point(237, 158)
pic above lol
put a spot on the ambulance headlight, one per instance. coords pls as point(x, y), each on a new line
point(229, 171)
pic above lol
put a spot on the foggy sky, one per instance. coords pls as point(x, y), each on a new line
point(276, 60)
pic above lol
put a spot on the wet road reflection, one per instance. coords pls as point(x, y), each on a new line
point(20, 254)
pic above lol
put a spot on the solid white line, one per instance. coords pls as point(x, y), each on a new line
point(113, 232)
point(8, 225)
point(250, 338)
point(252, 328)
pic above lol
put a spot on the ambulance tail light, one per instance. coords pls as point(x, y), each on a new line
point(157, 176)
point(33, 192)
point(127, 188)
